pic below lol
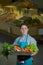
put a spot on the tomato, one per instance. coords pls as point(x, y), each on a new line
point(25, 50)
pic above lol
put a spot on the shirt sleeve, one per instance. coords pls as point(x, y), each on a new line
point(33, 41)
point(15, 42)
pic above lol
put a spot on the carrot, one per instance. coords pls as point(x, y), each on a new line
point(25, 50)
point(30, 50)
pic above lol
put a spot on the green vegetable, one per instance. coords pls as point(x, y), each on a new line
point(33, 47)
point(6, 48)
point(5, 53)
point(11, 47)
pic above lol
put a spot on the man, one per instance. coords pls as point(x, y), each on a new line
point(23, 41)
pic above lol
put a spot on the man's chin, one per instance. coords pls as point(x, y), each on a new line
point(24, 34)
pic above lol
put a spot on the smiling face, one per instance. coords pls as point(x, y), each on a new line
point(24, 29)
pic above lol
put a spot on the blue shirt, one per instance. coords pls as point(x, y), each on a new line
point(23, 39)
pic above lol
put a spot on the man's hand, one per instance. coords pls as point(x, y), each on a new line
point(33, 53)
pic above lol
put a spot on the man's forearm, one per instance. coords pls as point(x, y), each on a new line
point(33, 53)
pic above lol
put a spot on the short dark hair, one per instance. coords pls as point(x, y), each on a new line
point(24, 24)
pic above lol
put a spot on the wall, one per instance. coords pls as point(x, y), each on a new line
point(16, 30)
point(6, 27)
point(33, 31)
point(3, 26)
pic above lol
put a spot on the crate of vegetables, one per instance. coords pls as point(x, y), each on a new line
point(20, 51)
point(25, 51)
point(16, 50)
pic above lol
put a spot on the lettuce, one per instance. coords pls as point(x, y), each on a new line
point(33, 47)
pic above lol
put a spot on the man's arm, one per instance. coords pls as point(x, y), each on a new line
point(33, 53)
point(35, 43)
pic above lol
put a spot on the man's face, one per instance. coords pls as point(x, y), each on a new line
point(24, 29)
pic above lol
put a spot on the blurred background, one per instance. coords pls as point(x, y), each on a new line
point(12, 14)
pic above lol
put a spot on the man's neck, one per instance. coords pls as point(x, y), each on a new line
point(24, 34)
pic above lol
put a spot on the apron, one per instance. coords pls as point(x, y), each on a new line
point(27, 59)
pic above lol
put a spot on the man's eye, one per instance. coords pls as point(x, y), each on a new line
point(23, 28)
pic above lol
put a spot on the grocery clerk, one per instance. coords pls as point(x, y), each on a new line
point(24, 40)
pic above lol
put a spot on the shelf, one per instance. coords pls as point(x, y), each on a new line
point(38, 25)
